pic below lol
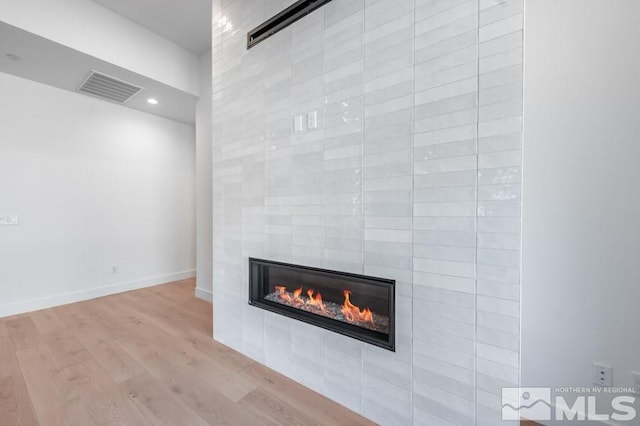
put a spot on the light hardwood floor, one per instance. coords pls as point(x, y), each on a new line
point(143, 358)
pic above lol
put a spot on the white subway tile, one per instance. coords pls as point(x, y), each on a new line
point(432, 36)
point(444, 165)
point(449, 90)
point(499, 257)
point(500, 10)
point(500, 44)
point(434, 180)
point(390, 26)
point(498, 322)
point(445, 121)
point(457, 269)
point(447, 16)
point(445, 238)
point(432, 51)
point(457, 193)
point(500, 28)
point(443, 368)
point(494, 305)
point(445, 106)
point(499, 240)
point(503, 356)
point(503, 175)
point(455, 134)
point(458, 254)
point(396, 236)
point(454, 209)
point(499, 289)
point(445, 282)
point(441, 353)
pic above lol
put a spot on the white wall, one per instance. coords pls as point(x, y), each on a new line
point(581, 217)
point(95, 185)
point(204, 206)
point(107, 36)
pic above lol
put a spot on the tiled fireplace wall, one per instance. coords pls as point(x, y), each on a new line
point(414, 174)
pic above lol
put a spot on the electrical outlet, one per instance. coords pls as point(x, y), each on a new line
point(312, 120)
point(298, 124)
point(636, 382)
point(602, 374)
point(9, 220)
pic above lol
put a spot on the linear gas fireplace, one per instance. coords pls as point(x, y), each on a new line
point(358, 306)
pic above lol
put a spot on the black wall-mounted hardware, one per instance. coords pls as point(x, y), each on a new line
point(296, 11)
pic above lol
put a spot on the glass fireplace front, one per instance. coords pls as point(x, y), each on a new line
point(358, 306)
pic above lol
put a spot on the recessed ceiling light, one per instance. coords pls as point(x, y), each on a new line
point(12, 57)
point(152, 101)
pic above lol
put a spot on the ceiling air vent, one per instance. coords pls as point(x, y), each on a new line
point(107, 87)
point(296, 11)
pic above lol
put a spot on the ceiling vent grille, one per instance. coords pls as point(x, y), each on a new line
point(107, 87)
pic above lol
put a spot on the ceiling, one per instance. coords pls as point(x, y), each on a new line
point(47, 62)
point(185, 22)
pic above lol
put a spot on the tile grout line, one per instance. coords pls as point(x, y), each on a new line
point(362, 177)
point(413, 180)
point(477, 193)
point(324, 171)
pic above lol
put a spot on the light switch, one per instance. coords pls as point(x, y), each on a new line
point(9, 220)
point(298, 124)
point(312, 120)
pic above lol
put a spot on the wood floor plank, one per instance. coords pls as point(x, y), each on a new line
point(158, 404)
point(8, 362)
point(157, 312)
point(15, 404)
point(73, 315)
point(221, 353)
point(41, 374)
point(115, 360)
point(47, 321)
point(23, 332)
point(177, 293)
point(232, 383)
point(3, 329)
point(141, 358)
point(66, 348)
point(201, 309)
point(104, 401)
point(296, 395)
point(175, 318)
point(75, 413)
point(207, 400)
point(48, 388)
point(155, 349)
point(268, 406)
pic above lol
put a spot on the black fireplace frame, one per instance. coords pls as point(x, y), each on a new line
point(257, 268)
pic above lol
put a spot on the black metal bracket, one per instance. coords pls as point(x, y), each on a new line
point(296, 11)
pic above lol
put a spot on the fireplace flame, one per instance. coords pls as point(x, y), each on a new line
point(296, 296)
point(315, 300)
point(353, 313)
point(283, 294)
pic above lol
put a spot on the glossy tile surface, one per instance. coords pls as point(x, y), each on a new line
point(414, 173)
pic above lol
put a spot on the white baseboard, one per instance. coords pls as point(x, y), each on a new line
point(203, 294)
point(91, 293)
